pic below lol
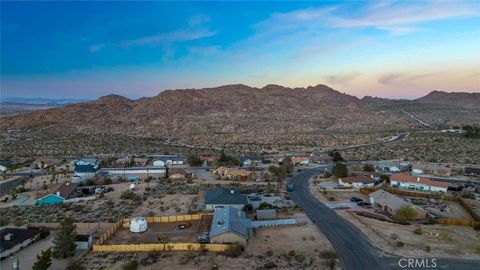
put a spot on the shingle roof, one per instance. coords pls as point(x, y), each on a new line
point(229, 219)
point(65, 190)
point(18, 236)
point(84, 169)
point(357, 179)
point(224, 196)
point(386, 199)
point(406, 178)
point(250, 157)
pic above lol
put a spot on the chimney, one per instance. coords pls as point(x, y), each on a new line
point(418, 179)
point(8, 237)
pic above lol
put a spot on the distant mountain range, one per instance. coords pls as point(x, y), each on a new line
point(239, 110)
point(41, 101)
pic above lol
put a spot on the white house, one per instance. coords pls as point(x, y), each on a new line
point(95, 162)
point(356, 181)
point(406, 181)
point(168, 160)
point(300, 160)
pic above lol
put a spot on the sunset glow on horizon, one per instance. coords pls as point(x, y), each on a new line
point(393, 49)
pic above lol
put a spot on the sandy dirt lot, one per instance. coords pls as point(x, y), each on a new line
point(442, 240)
point(290, 247)
point(155, 232)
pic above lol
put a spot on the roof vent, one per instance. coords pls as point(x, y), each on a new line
point(67, 184)
point(220, 222)
point(418, 179)
point(58, 193)
point(232, 191)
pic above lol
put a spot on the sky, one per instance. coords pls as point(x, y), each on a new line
point(393, 49)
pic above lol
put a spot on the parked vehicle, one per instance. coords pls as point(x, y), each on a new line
point(340, 187)
point(364, 204)
point(356, 199)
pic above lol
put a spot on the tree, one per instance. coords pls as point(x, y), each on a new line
point(287, 165)
point(247, 207)
point(337, 157)
point(194, 160)
point(148, 180)
point(340, 170)
point(44, 260)
point(75, 265)
point(405, 213)
point(368, 168)
point(64, 241)
point(279, 173)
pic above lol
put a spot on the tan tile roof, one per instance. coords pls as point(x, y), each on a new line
point(407, 178)
point(357, 179)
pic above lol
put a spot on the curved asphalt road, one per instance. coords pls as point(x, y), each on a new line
point(353, 248)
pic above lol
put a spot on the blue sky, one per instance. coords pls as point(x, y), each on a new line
point(398, 49)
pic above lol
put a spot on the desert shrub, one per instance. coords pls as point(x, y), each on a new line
point(233, 251)
point(476, 226)
point(130, 195)
point(428, 248)
point(130, 265)
point(405, 213)
point(299, 258)
point(418, 231)
point(269, 252)
point(400, 244)
point(90, 182)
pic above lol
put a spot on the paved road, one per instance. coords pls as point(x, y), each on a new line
point(416, 119)
point(397, 138)
point(7, 185)
point(352, 246)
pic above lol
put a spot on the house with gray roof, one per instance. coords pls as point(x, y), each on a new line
point(223, 197)
point(390, 203)
point(249, 160)
point(229, 225)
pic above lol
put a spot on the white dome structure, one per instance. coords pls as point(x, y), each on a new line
point(138, 225)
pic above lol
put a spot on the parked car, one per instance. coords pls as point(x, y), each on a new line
point(356, 199)
point(340, 187)
point(364, 204)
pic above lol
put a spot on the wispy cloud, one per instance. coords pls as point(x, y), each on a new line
point(196, 30)
point(401, 17)
point(342, 79)
point(170, 37)
point(95, 48)
point(397, 79)
point(395, 17)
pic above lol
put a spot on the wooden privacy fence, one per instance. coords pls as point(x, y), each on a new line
point(176, 218)
point(165, 247)
point(447, 197)
point(460, 222)
point(108, 233)
point(125, 223)
point(469, 209)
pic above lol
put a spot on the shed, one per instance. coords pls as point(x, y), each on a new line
point(83, 241)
